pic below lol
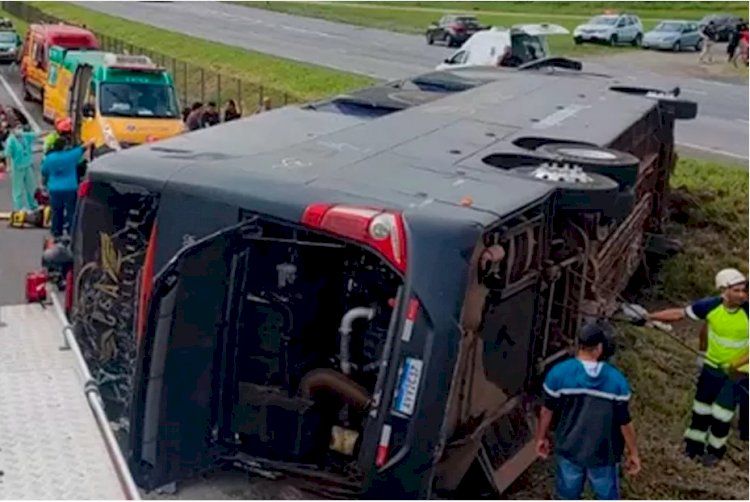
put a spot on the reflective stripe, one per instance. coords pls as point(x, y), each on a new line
point(701, 408)
point(721, 413)
point(727, 342)
point(695, 435)
point(717, 443)
point(587, 392)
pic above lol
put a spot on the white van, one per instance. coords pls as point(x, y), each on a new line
point(504, 46)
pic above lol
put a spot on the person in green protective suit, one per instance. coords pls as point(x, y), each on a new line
point(19, 156)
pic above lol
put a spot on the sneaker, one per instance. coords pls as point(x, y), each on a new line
point(710, 460)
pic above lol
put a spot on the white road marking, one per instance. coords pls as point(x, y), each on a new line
point(741, 121)
point(713, 150)
point(694, 91)
point(19, 104)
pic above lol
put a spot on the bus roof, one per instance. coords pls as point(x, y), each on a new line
point(422, 159)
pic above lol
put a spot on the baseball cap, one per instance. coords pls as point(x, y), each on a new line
point(729, 277)
point(592, 334)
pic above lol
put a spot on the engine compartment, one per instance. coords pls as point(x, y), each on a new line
point(309, 319)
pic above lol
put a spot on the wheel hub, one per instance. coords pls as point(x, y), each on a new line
point(565, 173)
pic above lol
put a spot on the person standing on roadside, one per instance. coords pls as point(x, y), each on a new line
point(733, 44)
point(231, 112)
point(19, 158)
point(195, 117)
point(708, 33)
point(265, 105)
point(722, 384)
point(60, 168)
point(587, 399)
point(210, 116)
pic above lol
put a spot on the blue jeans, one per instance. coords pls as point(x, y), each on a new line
point(63, 205)
point(570, 478)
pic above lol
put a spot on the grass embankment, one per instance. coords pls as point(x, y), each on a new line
point(302, 82)
point(709, 214)
point(413, 17)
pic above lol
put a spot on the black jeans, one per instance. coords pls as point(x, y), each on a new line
point(63, 205)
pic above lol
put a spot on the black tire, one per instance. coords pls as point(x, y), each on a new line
point(699, 45)
point(614, 164)
point(430, 39)
point(597, 195)
point(450, 41)
point(637, 40)
point(612, 40)
point(578, 40)
point(677, 47)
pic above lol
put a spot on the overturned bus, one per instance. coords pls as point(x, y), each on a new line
point(364, 307)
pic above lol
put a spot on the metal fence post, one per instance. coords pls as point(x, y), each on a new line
point(239, 94)
point(203, 86)
point(218, 89)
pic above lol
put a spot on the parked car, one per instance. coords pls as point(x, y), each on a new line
point(525, 43)
point(453, 30)
point(723, 23)
point(612, 29)
point(674, 35)
point(10, 42)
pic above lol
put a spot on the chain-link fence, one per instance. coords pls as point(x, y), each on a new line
point(192, 82)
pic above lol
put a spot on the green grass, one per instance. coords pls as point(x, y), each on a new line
point(302, 82)
point(413, 17)
point(711, 203)
point(709, 213)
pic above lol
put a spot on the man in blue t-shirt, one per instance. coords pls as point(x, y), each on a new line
point(587, 400)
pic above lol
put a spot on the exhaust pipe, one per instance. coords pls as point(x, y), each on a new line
point(346, 330)
point(331, 382)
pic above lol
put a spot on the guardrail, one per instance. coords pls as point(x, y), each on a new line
point(91, 390)
point(192, 82)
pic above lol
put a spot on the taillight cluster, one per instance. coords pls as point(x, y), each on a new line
point(379, 229)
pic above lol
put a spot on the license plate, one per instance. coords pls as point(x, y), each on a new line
point(406, 397)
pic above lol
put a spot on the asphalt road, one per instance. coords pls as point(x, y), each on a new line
point(721, 128)
point(20, 249)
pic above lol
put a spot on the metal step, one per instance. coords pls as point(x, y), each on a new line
point(50, 445)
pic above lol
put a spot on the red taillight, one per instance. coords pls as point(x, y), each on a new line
point(457, 27)
point(84, 189)
point(147, 281)
point(376, 228)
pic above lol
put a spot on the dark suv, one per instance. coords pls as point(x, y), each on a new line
point(453, 30)
point(724, 24)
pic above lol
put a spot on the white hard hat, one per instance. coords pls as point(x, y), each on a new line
point(729, 277)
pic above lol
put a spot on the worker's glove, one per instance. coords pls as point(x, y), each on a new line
point(635, 314)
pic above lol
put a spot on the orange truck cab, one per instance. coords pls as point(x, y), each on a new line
point(35, 53)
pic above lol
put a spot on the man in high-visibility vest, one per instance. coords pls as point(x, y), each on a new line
point(723, 381)
point(63, 128)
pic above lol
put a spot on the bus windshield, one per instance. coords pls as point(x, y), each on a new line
point(138, 100)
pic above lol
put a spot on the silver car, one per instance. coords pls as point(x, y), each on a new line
point(674, 35)
point(611, 29)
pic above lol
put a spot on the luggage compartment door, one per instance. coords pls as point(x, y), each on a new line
point(176, 398)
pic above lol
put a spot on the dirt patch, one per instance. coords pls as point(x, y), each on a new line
point(682, 64)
